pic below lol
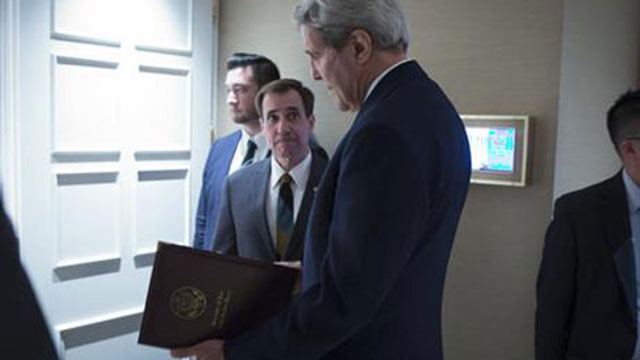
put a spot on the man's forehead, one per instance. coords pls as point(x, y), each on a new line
point(287, 101)
point(311, 38)
point(240, 76)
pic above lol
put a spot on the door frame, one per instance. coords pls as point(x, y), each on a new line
point(9, 116)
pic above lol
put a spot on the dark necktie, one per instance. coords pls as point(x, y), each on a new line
point(251, 152)
point(284, 220)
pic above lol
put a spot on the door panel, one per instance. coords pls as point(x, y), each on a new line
point(114, 111)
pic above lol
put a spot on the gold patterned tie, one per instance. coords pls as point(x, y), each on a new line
point(284, 220)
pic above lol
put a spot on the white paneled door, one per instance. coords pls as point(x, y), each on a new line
point(113, 108)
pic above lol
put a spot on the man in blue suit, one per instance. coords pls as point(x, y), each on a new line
point(246, 74)
point(386, 210)
point(254, 198)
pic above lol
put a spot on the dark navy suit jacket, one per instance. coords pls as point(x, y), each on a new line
point(215, 172)
point(24, 331)
point(380, 234)
point(586, 291)
point(242, 227)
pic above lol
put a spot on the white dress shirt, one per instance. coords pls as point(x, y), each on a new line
point(241, 150)
point(300, 176)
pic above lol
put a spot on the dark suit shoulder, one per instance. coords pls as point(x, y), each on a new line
point(586, 199)
point(319, 161)
point(317, 149)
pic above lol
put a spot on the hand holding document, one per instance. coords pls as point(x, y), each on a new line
point(209, 349)
point(197, 295)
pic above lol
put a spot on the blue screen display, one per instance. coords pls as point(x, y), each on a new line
point(492, 148)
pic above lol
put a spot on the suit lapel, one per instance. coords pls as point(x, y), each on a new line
point(224, 158)
point(300, 227)
point(261, 186)
point(618, 231)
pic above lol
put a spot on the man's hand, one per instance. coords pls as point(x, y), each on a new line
point(206, 350)
point(290, 264)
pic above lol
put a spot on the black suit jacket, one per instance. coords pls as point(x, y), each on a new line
point(242, 227)
point(586, 290)
point(379, 236)
point(24, 332)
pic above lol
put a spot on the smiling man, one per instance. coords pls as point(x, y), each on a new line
point(265, 206)
point(387, 208)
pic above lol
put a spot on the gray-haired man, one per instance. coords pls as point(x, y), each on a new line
point(387, 209)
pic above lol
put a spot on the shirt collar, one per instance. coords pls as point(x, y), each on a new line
point(299, 174)
point(259, 139)
point(381, 76)
point(633, 192)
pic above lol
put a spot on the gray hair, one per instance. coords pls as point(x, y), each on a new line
point(334, 20)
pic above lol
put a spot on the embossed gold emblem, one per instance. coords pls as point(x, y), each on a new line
point(188, 302)
point(221, 308)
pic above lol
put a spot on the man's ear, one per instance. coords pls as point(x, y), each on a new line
point(629, 149)
point(362, 45)
point(312, 119)
point(626, 147)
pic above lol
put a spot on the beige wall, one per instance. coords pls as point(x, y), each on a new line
point(491, 57)
point(593, 31)
point(266, 27)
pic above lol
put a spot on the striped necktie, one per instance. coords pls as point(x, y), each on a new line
point(284, 220)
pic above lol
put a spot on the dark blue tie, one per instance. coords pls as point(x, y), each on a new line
point(251, 152)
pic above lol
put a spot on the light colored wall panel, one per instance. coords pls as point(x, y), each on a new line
point(92, 21)
point(87, 339)
point(599, 62)
point(163, 102)
point(86, 210)
point(85, 94)
point(161, 217)
point(164, 24)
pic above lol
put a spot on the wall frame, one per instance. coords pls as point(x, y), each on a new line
point(500, 149)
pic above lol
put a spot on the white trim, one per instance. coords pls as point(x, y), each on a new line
point(9, 123)
point(521, 170)
point(165, 50)
point(86, 261)
point(67, 331)
point(213, 107)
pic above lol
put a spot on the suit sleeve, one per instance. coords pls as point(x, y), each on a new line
point(201, 215)
point(25, 334)
point(377, 221)
point(224, 239)
point(556, 287)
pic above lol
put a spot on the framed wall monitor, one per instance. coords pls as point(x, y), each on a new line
point(500, 153)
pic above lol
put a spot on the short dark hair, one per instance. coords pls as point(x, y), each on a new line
point(264, 70)
point(623, 118)
point(282, 86)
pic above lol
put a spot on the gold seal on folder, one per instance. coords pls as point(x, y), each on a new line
point(188, 302)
